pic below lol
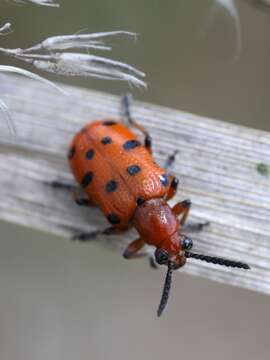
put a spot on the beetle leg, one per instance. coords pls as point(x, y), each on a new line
point(193, 226)
point(182, 208)
point(170, 160)
point(131, 252)
point(82, 201)
point(148, 142)
point(86, 236)
point(126, 100)
point(147, 136)
point(174, 182)
point(152, 263)
point(89, 236)
point(61, 185)
point(114, 231)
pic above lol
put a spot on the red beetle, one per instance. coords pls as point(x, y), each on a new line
point(118, 174)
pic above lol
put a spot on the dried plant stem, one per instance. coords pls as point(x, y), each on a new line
point(5, 29)
point(54, 59)
point(60, 62)
point(230, 7)
point(50, 3)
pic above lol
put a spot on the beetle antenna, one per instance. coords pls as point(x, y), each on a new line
point(217, 260)
point(166, 289)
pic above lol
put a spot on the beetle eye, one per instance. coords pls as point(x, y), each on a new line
point(187, 243)
point(162, 256)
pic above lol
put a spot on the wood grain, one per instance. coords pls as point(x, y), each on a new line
point(219, 164)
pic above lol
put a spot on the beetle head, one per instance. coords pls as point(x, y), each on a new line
point(174, 262)
point(166, 254)
point(163, 257)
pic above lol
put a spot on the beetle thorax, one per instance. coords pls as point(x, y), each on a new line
point(157, 224)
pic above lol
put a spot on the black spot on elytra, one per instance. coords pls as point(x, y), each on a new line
point(109, 123)
point(140, 201)
point(164, 179)
point(88, 177)
point(90, 154)
point(71, 152)
point(113, 219)
point(106, 140)
point(111, 186)
point(131, 144)
point(133, 169)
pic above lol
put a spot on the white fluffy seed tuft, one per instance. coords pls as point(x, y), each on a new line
point(55, 55)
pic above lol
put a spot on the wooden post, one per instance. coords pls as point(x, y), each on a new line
point(224, 170)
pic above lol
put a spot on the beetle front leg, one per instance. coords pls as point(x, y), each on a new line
point(182, 208)
point(152, 263)
point(174, 182)
point(191, 226)
point(131, 252)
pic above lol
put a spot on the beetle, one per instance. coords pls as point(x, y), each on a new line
point(118, 174)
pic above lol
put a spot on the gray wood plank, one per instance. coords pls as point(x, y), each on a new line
point(217, 164)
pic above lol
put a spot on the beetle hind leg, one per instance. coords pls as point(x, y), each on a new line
point(126, 101)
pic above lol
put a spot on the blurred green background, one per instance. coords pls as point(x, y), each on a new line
point(61, 300)
point(186, 48)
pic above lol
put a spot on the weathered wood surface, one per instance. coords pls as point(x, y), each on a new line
point(217, 165)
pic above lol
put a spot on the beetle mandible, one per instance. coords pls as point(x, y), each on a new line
point(118, 174)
